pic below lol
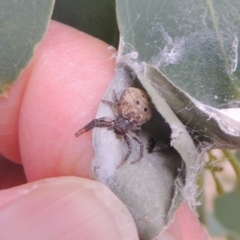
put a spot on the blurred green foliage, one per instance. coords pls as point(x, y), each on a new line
point(97, 18)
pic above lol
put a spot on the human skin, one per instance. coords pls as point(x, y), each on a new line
point(57, 94)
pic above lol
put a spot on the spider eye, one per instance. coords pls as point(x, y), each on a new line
point(137, 102)
point(145, 109)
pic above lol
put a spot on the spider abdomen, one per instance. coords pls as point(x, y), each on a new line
point(135, 105)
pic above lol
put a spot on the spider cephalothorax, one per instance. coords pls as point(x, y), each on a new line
point(131, 112)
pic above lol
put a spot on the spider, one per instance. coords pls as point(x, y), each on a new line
point(131, 112)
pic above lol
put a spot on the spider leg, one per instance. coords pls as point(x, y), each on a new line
point(135, 137)
point(136, 128)
point(111, 104)
point(151, 145)
point(115, 98)
point(128, 141)
point(116, 102)
point(114, 106)
point(100, 122)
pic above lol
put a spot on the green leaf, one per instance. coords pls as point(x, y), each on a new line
point(234, 162)
point(208, 218)
point(227, 210)
point(238, 155)
point(217, 229)
point(97, 18)
point(214, 226)
point(23, 24)
point(211, 221)
point(194, 43)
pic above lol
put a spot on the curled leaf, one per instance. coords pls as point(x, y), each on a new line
point(151, 188)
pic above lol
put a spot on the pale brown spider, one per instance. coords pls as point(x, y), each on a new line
point(131, 112)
